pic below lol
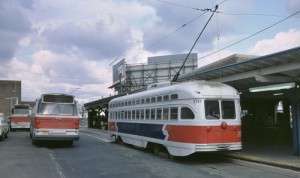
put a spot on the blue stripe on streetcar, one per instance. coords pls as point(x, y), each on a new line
point(142, 129)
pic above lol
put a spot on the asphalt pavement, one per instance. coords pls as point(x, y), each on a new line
point(92, 156)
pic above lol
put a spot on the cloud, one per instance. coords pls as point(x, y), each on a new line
point(293, 5)
point(281, 41)
point(14, 26)
point(52, 72)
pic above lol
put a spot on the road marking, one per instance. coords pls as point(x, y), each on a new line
point(57, 166)
point(98, 138)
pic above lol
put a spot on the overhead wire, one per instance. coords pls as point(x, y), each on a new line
point(251, 35)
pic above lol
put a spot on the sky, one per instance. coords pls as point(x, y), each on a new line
point(67, 45)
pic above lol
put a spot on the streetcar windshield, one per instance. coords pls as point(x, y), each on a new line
point(57, 109)
point(216, 109)
point(20, 111)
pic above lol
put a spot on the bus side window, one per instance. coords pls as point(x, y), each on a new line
point(187, 113)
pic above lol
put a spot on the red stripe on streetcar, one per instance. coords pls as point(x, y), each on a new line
point(204, 134)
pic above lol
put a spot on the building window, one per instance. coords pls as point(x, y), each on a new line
point(173, 113)
point(166, 98)
point(137, 101)
point(228, 109)
point(142, 101)
point(174, 96)
point(147, 114)
point(165, 114)
point(159, 98)
point(158, 113)
point(187, 113)
point(212, 109)
point(153, 114)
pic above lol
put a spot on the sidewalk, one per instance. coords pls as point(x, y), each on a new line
point(279, 156)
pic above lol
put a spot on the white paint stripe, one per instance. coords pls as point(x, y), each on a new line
point(57, 166)
point(98, 138)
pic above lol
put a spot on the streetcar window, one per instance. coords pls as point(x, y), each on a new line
point(165, 114)
point(158, 113)
point(153, 114)
point(137, 114)
point(166, 97)
point(187, 113)
point(122, 115)
point(133, 114)
point(173, 113)
point(212, 109)
point(159, 98)
point(147, 114)
point(228, 110)
point(125, 115)
point(147, 100)
point(129, 114)
point(153, 100)
point(174, 96)
point(142, 114)
point(142, 101)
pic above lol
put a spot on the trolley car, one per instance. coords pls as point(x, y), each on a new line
point(55, 117)
point(19, 118)
point(189, 117)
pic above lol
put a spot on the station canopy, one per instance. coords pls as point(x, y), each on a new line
point(280, 67)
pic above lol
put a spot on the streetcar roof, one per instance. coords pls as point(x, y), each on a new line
point(189, 89)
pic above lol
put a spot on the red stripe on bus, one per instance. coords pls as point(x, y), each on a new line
point(56, 123)
point(204, 134)
point(16, 119)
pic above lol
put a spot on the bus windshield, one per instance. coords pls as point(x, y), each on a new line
point(57, 109)
point(20, 111)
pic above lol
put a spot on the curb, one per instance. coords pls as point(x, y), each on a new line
point(266, 162)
